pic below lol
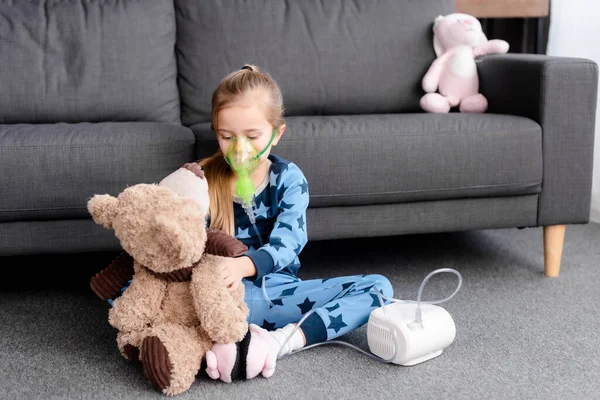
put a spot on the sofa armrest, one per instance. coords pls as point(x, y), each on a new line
point(560, 94)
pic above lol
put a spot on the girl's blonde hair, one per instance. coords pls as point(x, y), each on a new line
point(217, 171)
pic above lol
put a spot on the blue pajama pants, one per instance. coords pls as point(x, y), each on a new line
point(341, 304)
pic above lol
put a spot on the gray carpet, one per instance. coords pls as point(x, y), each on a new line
point(520, 335)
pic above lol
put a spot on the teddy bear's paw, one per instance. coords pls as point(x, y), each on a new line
point(157, 366)
point(131, 352)
point(239, 329)
point(109, 283)
point(129, 344)
point(219, 243)
point(229, 329)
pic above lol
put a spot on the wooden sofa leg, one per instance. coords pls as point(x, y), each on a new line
point(554, 237)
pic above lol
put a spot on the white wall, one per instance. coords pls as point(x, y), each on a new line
point(574, 22)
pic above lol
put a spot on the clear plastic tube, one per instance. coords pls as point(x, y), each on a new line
point(249, 208)
point(418, 318)
point(257, 234)
point(418, 314)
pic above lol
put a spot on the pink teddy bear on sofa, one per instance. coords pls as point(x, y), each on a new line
point(457, 40)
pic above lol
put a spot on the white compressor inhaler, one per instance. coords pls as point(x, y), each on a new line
point(406, 332)
point(412, 341)
point(403, 332)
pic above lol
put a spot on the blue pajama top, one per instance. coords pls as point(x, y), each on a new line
point(280, 213)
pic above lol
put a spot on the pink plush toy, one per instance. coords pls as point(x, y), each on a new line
point(457, 40)
point(227, 362)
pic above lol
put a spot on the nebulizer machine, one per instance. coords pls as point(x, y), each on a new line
point(403, 332)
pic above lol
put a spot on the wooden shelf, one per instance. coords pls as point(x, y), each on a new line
point(504, 8)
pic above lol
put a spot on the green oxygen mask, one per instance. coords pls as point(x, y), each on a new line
point(243, 158)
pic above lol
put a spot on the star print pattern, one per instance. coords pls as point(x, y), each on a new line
point(285, 206)
point(304, 187)
point(289, 292)
point(306, 305)
point(375, 302)
point(277, 302)
point(337, 323)
point(334, 308)
point(243, 233)
point(276, 243)
point(286, 226)
point(270, 326)
point(262, 211)
point(280, 220)
point(367, 289)
point(273, 178)
point(277, 267)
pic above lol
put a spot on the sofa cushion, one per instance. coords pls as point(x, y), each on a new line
point(88, 61)
point(51, 171)
point(377, 159)
point(329, 57)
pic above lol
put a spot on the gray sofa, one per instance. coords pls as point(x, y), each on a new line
point(99, 95)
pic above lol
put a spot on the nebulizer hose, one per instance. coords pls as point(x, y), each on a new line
point(243, 158)
point(418, 316)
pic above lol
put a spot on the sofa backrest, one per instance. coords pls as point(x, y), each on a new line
point(92, 60)
point(328, 56)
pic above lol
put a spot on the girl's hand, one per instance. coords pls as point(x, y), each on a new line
point(233, 270)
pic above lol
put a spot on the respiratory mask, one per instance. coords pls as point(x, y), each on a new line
point(243, 158)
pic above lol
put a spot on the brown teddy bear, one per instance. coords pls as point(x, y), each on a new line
point(112, 280)
point(176, 306)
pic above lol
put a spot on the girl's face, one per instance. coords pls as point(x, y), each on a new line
point(246, 118)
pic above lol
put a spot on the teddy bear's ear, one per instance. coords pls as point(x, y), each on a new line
point(171, 236)
point(103, 208)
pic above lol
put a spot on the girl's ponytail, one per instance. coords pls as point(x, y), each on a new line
point(218, 174)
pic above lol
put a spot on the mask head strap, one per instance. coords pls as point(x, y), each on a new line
point(268, 144)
